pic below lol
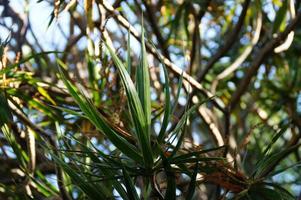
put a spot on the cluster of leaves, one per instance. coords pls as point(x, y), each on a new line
point(84, 125)
point(140, 157)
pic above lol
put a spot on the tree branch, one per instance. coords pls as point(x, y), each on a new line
point(229, 41)
point(154, 25)
point(259, 58)
point(195, 53)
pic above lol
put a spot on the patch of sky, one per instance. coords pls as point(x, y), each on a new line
point(244, 40)
point(157, 127)
point(211, 33)
point(231, 85)
point(239, 74)
point(110, 146)
point(269, 9)
point(166, 30)
point(182, 99)
point(173, 139)
point(11, 55)
point(49, 37)
point(98, 146)
point(52, 179)
point(237, 13)
point(5, 33)
point(8, 22)
point(205, 52)
point(296, 189)
point(261, 72)
point(272, 73)
point(130, 16)
point(287, 135)
point(284, 177)
point(66, 160)
point(178, 60)
point(257, 84)
point(75, 194)
point(225, 60)
point(95, 15)
point(19, 5)
point(178, 192)
point(212, 45)
point(153, 94)
point(298, 103)
point(13, 42)
point(9, 151)
point(137, 26)
point(116, 195)
point(196, 138)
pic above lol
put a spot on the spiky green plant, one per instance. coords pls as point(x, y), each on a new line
point(138, 156)
point(137, 162)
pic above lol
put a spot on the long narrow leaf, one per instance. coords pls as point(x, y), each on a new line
point(137, 113)
point(143, 83)
point(171, 182)
point(131, 191)
point(95, 117)
point(274, 139)
point(167, 107)
point(94, 191)
point(129, 61)
point(196, 154)
point(192, 183)
point(269, 161)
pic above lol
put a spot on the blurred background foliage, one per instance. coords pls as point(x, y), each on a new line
point(150, 99)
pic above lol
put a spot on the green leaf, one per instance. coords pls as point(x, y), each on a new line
point(181, 125)
point(138, 116)
point(264, 167)
point(129, 61)
point(93, 190)
point(143, 83)
point(298, 164)
point(269, 192)
point(178, 94)
point(131, 191)
point(96, 118)
point(284, 194)
point(167, 107)
point(5, 115)
point(195, 156)
point(171, 181)
point(21, 155)
point(43, 185)
point(108, 166)
point(51, 19)
point(192, 183)
point(275, 138)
